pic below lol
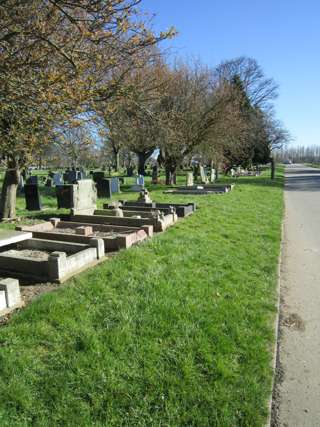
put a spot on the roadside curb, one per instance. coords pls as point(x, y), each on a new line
point(276, 327)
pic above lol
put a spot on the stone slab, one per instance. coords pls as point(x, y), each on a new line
point(142, 209)
point(56, 222)
point(111, 243)
point(113, 220)
point(137, 188)
point(182, 209)
point(8, 237)
point(208, 187)
point(196, 191)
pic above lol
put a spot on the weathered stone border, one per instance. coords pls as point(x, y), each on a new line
point(11, 290)
point(276, 327)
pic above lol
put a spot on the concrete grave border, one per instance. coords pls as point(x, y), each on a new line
point(125, 238)
point(11, 290)
point(59, 267)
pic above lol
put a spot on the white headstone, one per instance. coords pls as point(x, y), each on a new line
point(203, 176)
point(212, 175)
point(189, 180)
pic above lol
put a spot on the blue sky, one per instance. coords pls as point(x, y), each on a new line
point(283, 35)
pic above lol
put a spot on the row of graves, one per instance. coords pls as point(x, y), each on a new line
point(65, 186)
point(207, 185)
point(55, 250)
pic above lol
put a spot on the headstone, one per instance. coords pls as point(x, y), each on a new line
point(33, 180)
point(70, 177)
point(115, 185)
point(57, 179)
point(189, 180)
point(140, 180)
point(32, 196)
point(104, 188)
point(212, 175)
point(203, 176)
point(80, 175)
point(81, 196)
point(97, 176)
point(144, 197)
point(64, 195)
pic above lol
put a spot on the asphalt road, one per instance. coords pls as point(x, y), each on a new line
point(297, 393)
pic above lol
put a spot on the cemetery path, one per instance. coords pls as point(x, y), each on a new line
point(297, 392)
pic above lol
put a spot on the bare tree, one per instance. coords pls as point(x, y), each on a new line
point(259, 89)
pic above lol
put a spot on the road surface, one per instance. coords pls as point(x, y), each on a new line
point(297, 392)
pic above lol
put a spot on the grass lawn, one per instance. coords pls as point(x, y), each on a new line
point(175, 332)
point(313, 165)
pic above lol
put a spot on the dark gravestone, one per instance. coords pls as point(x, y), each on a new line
point(97, 176)
point(32, 197)
point(115, 185)
point(104, 188)
point(70, 177)
point(33, 180)
point(80, 175)
point(64, 196)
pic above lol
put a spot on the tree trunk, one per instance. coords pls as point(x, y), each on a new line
point(116, 160)
point(155, 174)
point(142, 157)
point(216, 168)
point(273, 168)
point(9, 194)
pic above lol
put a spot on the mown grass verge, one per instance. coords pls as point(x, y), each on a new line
point(175, 332)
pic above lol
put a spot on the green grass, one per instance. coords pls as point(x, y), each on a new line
point(313, 165)
point(175, 332)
